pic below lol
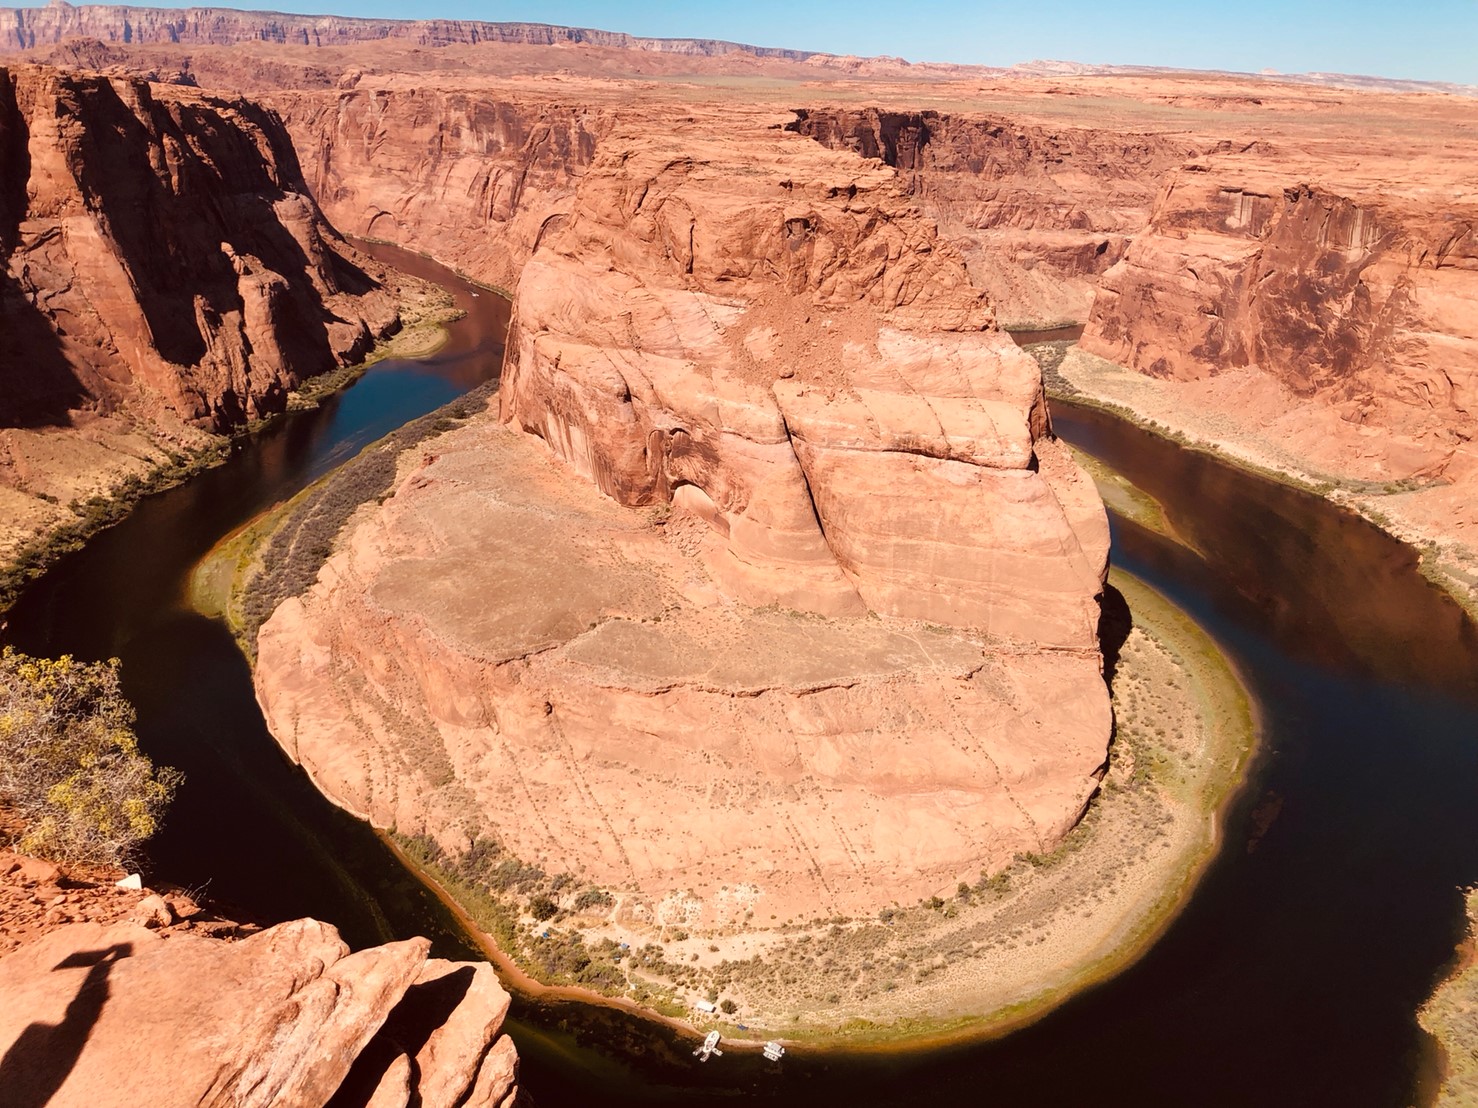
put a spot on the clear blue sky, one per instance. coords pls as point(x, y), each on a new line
point(1434, 40)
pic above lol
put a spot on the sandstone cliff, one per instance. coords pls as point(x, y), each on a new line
point(162, 250)
point(1314, 315)
point(1040, 211)
point(163, 272)
point(27, 28)
point(770, 335)
point(850, 640)
point(1350, 291)
point(117, 1015)
point(463, 173)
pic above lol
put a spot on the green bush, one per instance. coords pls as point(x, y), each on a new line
point(69, 762)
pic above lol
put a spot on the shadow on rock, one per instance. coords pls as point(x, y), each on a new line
point(42, 1056)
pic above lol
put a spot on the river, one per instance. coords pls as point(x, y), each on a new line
point(1291, 977)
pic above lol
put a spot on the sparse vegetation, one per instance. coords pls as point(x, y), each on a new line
point(33, 558)
point(1451, 1016)
point(281, 558)
point(70, 765)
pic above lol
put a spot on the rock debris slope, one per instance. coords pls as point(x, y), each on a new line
point(98, 1015)
point(792, 611)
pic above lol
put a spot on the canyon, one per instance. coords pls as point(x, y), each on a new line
point(822, 631)
point(167, 277)
point(854, 516)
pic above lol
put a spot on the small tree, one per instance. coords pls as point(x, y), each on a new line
point(70, 763)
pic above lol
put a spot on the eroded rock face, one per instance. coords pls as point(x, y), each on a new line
point(162, 254)
point(456, 173)
point(118, 1015)
point(769, 334)
point(1040, 212)
point(1358, 296)
point(27, 28)
point(799, 616)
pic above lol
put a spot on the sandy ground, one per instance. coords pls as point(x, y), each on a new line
point(1451, 1015)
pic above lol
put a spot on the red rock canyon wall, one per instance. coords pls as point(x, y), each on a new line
point(162, 252)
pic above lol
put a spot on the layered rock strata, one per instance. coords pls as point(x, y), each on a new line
point(792, 352)
point(466, 176)
point(1040, 211)
point(846, 650)
point(27, 28)
point(103, 1015)
point(1319, 314)
point(1347, 291)
point(164, 273)
point(161, 250)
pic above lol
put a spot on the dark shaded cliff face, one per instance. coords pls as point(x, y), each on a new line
point(1041, 212)
point(161, 252)
point(27, 28)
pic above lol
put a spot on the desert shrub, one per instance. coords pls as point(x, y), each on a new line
point(728, 1007)
point(542, 908)
point(70, 764)
point(511, 874)
point(590, 899)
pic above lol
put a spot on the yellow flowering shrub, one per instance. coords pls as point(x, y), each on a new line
point(70, 764)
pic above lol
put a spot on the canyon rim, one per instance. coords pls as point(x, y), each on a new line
point(759, 606)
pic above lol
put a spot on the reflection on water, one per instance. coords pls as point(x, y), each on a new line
point(1326, 586)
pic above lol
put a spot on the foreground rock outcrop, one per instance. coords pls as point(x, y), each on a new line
point(100, 1015)
point(800, 616)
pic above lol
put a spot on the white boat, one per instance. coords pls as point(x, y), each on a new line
point(774, 1051)
point(709, 1047)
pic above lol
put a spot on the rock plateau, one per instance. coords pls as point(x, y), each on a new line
point(860, 655)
